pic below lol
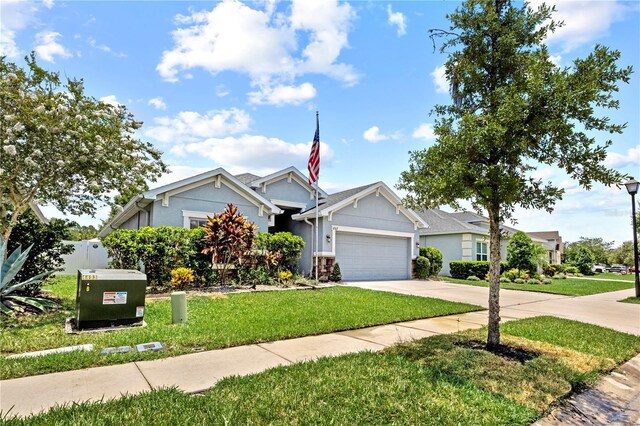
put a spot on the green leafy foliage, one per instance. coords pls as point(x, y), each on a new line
point(81, 232)
point(622, 255)
point(461, 269)
point(11, 300)
point(160, 250)
point(46, 245)
point(288, 245)
point(335, 275)
point(583, 259)
point(422, 268)
point(513, 274)
point(599, 248)
point(512, 109)
point(62, 146)
point(435, 259)
point(521, 253)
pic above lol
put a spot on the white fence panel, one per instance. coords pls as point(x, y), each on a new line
point(86, 255)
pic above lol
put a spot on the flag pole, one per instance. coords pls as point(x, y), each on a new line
point(317, 187)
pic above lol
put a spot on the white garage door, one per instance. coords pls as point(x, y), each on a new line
point(372, 257)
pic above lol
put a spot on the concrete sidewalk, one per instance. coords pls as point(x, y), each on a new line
point(200, 371)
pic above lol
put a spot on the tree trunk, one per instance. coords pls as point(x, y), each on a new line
point(493, 337)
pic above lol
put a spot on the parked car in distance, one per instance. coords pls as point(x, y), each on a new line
point(617, 268)
point(599, 267)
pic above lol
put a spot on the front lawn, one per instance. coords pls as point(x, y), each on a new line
point(635, 300)
point(214, 323)
point(569, 286)
point(441, 380)
point(614, 276)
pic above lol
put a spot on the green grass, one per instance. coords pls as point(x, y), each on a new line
point(569, 286)
point(613, 276)
point(635, 300)
point(213, 323)
point(442, 380)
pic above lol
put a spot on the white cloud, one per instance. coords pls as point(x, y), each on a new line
point(398, 20)
point(440, 79)
point(14, 16)
point(177, 173)
point(615, 160)
point(373, 135)
point(282, 95)
point(189, 126)
point(103, 47)
point(584, 21)
point(254, 153)
point(424, 131)
point(48, 3)
point(222, 91)
point(158, 103)
point(271, 48)
point(48, 48)
point(111, 100)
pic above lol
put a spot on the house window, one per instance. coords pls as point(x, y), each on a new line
point(482, 251)
point(197, 223)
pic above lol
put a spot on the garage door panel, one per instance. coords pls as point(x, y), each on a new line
point(372, 257)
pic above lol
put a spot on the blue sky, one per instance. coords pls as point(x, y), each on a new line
point(236, 85)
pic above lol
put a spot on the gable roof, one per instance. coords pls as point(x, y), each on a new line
point(247, 178)
point(441, 222)
point(341, 199)
point(140, 201)
point(292, 172)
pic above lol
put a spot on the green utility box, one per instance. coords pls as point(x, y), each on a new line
point(109, 297)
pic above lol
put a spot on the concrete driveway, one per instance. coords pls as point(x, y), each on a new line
point(600, 309)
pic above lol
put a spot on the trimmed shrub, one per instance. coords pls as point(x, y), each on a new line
point(336, 274)
point(513, 274)
point(461, 269)
point(160, 250)
point(181, 277)
point(288, 245)
point(546, 281)
point(550, 270)
point(435, 259)
point(570, 270)
point(473, 278)
point(534, 281)
point(422, 268)
point(559, 277)
point(505, 280)
point(519, 281)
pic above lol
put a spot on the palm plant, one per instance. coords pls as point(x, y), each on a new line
point(11, 300)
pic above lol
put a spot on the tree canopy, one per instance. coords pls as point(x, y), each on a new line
point(513, 109)
point(62, 147)
point(597, 246)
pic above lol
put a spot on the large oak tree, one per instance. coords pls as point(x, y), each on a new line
point(62, 147)
point(513, 109)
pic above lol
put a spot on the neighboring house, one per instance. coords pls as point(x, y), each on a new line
point(365, 229)
point(465, 236)
point(458, 239)
point(552, 242)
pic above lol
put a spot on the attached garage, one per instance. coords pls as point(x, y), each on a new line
point(373, 257)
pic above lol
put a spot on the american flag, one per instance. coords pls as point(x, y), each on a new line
point(314, 156)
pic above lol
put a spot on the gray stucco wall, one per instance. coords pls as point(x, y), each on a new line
point(283, 190)
point(305, 231)
point(206, 198)
point(373, 212)
point(450, 245)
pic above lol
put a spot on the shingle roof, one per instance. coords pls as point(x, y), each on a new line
point(547, 235)
point(442, 222)
point(339, 196)
point(247, 178)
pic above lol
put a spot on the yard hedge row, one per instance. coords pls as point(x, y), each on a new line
point(461, 269)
